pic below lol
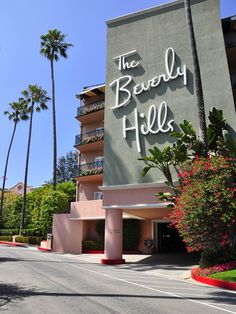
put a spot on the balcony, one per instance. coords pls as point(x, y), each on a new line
point(90, 172)
point(92, 112)
point(89, 137)
point(90, 141)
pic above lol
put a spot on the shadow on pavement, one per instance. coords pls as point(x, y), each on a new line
point(13, 292)
point(171, 261)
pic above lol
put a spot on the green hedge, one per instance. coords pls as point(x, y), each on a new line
point(25, 232)
point(29, 240)
point(6, 238)
point(92, 245)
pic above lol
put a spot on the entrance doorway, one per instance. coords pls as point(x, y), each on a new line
point(168, 239)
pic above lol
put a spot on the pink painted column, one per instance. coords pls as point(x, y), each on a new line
point(113, 237)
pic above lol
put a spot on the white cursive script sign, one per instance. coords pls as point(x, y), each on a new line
point(157, 118)
point(121, 84)
point(156, 122)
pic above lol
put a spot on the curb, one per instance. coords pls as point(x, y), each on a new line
point(43, 249)
point(102, 252)
point(112, 261)
point(213, 282)
point(13, 244)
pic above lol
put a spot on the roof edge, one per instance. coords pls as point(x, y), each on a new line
point(145, 11)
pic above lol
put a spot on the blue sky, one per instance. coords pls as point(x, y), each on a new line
point(22, 24)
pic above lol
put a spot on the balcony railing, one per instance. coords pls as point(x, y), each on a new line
point(90, 169)
point(89, 137)
point(230, 39)
point(82, 110)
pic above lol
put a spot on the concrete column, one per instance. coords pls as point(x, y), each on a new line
point(113, 237)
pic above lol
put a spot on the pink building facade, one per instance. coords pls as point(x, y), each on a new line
point(97, 203)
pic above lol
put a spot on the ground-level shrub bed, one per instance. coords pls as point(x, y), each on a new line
point(92, 245)
point(24, 232)
point(215, 269)
point(226, 275)
point(6, 238)
point(30, 240)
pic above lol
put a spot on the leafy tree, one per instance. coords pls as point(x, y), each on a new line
point(53, 47)
point(205, 210)
point(37, 97)
point(197, 78)
point(66, 167)
point(69, 188)
point(18, 111)
point(54, 202)
point(204, 202)
point(13, 214)
point(9, 200)
point(188, 147)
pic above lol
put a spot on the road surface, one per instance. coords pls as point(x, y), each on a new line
point(37, 282)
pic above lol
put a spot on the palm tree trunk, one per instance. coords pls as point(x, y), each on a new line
point(54, 129)
point(26, 171)
point(197, 78)
point(5, 170)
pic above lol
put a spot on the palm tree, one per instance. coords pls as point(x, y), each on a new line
point(53, 47)
point(197, 78)
point(18, 111)
point(37, 97)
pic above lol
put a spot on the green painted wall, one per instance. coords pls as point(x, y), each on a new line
point(150, 33)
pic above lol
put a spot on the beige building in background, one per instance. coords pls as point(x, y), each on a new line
point(19, 188)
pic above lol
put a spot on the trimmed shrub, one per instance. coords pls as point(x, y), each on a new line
point(6, 238)
point(9, 232)
point(92, 245)
point(29, 240)
point(25, 232)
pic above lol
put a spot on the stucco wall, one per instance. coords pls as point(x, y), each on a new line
point(67, 234)
point(146, 234)
point(150, 33)
point(87, 189)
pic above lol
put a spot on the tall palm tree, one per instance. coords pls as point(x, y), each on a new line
point(53, 47)
point(37, 97)
point(18, 111)
point(197, 77)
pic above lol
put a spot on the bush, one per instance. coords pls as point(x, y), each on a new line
point(6, 238)
point(25, 232)
point(216, 269)
point(7, 232)
point(30, 240)
point(92, 245)
point(205, 211)
point(54, 202)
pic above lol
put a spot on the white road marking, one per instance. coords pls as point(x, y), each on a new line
point(143, 286)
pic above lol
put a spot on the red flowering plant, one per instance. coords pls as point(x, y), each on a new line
point(203, 202)
point(215, 269)
point(205, 210)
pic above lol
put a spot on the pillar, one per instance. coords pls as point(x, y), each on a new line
point(113, 237)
